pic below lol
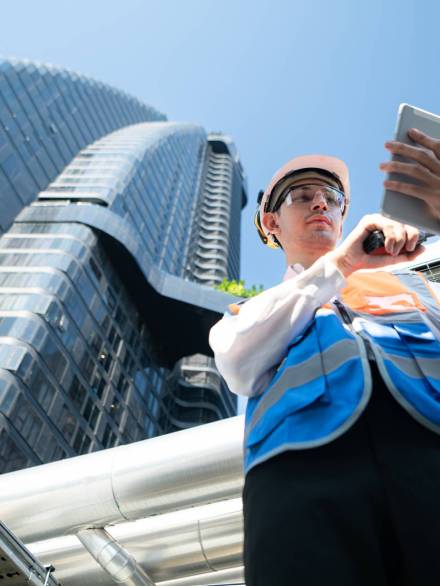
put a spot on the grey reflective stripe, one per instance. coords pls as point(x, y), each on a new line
point(400, 398)
point(420, 367)
point(319, 441)
point(303, 373)
point(406, 317)
point(414, 282)
point(415, 367)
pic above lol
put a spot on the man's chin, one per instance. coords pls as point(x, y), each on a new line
point(321, 238)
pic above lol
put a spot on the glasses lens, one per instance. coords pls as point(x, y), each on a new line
point(336, 198)
point(305, 194)
point(332, 197)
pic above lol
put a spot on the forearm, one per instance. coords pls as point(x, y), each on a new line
point(250, 345)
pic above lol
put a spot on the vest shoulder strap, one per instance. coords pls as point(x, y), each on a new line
point(382, 292)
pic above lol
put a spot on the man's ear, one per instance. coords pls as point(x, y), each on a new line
point(270, 222)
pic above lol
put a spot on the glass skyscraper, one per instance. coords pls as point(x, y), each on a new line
point(47, 115)
point(116, 224)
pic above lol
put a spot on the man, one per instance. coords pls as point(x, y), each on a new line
point(341, 367)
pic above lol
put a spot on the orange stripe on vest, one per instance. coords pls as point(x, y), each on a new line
point(379, 293)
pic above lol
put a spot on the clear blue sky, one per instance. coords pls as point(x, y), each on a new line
point(282, 77)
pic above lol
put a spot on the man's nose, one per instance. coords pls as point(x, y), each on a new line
point(319, 201)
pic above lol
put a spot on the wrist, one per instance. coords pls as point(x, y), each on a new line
point(341, 262)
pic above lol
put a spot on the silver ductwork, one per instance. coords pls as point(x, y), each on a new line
point(175, 471)
point(115, 560)
point(221, 578)
point(199, 545)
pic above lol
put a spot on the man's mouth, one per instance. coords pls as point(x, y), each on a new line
point(321, 219)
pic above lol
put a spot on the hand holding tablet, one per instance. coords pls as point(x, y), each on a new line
point(412, 187)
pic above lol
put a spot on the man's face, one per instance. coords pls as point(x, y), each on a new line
point(307, 222)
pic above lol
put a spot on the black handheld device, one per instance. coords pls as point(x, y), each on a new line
point(375, 241)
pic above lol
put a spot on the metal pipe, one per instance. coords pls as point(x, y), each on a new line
point(192, 542)
point(222, 577)
point(113, 558)
point(183, 469)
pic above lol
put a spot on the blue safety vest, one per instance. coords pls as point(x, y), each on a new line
point(324, 383)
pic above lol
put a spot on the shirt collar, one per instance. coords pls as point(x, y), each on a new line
point(293, 271)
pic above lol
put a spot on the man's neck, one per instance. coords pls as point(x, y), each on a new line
point(304, 258)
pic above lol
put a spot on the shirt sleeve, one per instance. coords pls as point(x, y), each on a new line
point(249, 345)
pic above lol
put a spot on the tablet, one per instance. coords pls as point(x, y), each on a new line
point(401, 207)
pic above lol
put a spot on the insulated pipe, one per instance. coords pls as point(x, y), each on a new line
point(198, 465)
point(113, 558)
point(195, 542)
point(221, 578)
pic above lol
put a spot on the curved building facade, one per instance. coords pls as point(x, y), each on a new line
point(98, 311)
point(47, 115)
point(148, 175)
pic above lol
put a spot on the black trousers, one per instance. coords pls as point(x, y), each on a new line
point(363, 510)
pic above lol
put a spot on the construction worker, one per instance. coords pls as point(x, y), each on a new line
point(341, 367)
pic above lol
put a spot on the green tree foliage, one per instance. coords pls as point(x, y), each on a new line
point(238, 288)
